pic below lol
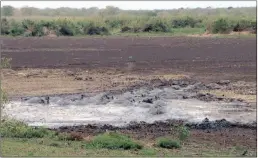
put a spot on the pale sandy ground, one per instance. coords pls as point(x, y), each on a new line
point(30, 82)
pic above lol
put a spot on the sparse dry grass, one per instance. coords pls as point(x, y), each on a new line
point(29, 82)
point(243, 34)
point(172, 76)
point(39, 147)
point(231, 94)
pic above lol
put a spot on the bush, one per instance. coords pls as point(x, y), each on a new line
point(221, 26)
point(55, 144)
point(7, 10)
point(66, 27)
point(33, 28)
point(66, 31)
point(131, 29)
point(126, 29)
point(4, 26)
point(242, 26)
point(113, 141)
point(95, 30)
point(148, 152)
point(184, 133)
point(147, 23)
point(4, 97)
point(114, 23)
point(167, 143)
point(28, 24)
point(187, 22)
point(6, 62)
point(48, 26)
point(137, 29)
point(254, 27)
point(70, 137)
point(156, 26)
point(18, 129)
point(16, 29)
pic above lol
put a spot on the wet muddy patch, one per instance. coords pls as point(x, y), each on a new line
point(176, 101)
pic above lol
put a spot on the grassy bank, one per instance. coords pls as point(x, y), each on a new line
point(18, 139)
point(48, 147)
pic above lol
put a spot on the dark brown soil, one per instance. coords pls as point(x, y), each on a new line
point(204, 58)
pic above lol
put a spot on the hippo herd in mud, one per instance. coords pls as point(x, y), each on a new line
point(159, 101)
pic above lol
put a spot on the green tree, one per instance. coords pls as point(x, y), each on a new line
point(110, 10)
point(7, 10)
point(28, 11)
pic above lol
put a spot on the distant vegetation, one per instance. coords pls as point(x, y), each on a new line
point(30, 21)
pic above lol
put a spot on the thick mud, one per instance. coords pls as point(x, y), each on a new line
point(172, 100)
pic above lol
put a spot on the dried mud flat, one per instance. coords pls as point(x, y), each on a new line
point(138, 86)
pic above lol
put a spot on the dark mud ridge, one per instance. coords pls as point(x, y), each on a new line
point(158, 126)
point(186, 84)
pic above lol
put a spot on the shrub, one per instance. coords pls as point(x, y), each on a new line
point(79, 28)
point(156, 26)
point(242, 25)
point(126, 29)
point(183, 133)
point(16, 29)
point(55, 144)
point(124, 22)
point(167, 143)
point(33, 28)
point(7, 10)
point(66, 31)
point(48, 26)
point(18, 129)
point(71, 137)
point(28, 24)
point(114, 23)
point(131, 29)
point(66, 27)
point(148, 28)
point(187, 22)
point(38, 30)
point(221, 26)
point(148, 152)
point(113, 141)
point(6, 62)
point(245, 25)
point(137, 29)
point(4, 97)
point(254, 27)
point(4, 26)
point(95, 30)
point(63, 136)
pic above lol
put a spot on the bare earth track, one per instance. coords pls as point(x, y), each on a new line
point(48, 65)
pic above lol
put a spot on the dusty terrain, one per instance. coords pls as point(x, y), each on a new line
point(224, 68)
